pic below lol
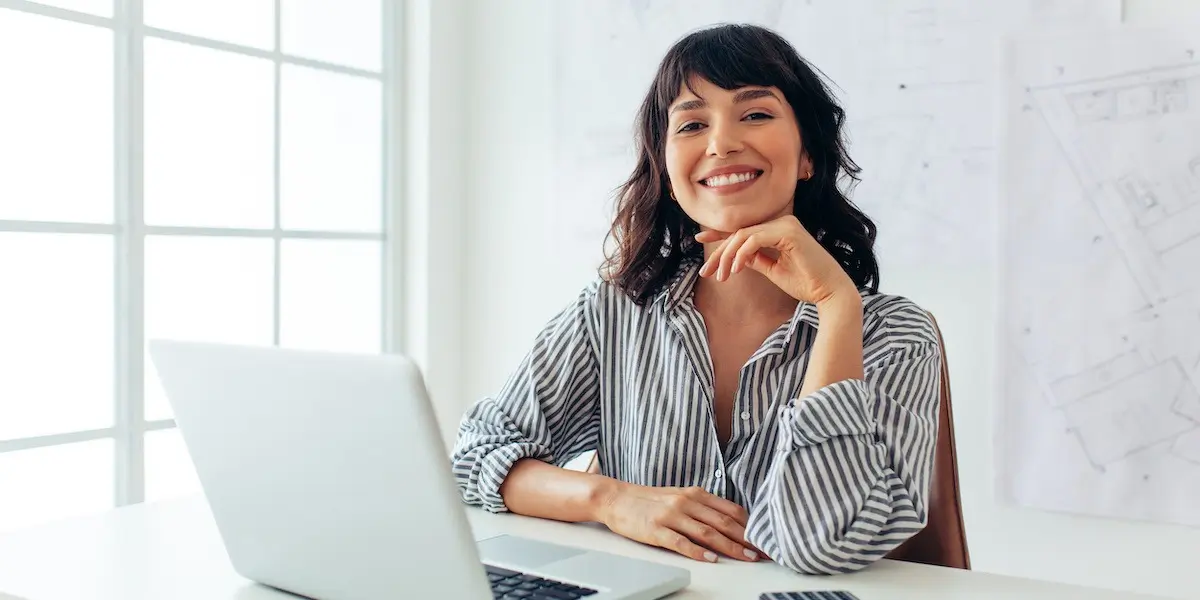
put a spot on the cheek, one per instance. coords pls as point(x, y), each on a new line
point(677, 168)
point(785, 158)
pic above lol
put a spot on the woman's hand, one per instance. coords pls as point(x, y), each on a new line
point(689, 521)
point(783, 251)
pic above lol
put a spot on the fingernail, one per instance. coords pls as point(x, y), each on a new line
point(710, 557)
point(750, 554)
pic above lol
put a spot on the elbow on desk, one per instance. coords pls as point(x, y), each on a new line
point(827, 560)
point(829, 553)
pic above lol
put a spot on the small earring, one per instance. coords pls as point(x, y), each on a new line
point(672, 194)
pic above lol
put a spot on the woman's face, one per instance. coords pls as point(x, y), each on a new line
point(733, 156)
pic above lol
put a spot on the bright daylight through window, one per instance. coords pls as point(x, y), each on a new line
point(209, 171)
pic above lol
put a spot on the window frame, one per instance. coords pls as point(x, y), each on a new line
point(129, 231)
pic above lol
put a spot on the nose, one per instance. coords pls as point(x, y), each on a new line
point(723, 140)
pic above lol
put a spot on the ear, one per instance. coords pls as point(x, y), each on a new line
point(805, 172)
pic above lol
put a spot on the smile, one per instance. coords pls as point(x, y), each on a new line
point(718, 181)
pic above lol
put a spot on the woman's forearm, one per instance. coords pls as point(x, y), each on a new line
point(837, 351)
point(539, 489)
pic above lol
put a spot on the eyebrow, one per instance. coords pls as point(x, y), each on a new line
point(738, 98)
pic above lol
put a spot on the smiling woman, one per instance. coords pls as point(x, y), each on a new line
point(736, 99)
point(748, 391)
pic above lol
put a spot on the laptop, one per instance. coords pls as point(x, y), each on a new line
point(328, 478)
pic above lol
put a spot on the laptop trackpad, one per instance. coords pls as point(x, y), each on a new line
point(506, 550)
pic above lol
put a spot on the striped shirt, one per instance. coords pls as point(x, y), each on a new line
point(832, 481)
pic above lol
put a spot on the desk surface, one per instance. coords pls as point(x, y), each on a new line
point(171, 550)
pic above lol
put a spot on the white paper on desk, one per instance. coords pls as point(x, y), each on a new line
point(1100, 275)
point(919, 80)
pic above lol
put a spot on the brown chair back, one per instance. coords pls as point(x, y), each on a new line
point(943, 541)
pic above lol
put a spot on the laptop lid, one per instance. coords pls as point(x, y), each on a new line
point(326, 473)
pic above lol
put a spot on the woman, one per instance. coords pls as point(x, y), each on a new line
point(746, 387)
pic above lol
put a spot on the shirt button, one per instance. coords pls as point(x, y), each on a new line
point(718, 474)
point(746, 416)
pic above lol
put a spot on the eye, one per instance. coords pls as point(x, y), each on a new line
point(693, 126)
point(759, 116)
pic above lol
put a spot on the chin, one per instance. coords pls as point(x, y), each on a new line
point(732, 219)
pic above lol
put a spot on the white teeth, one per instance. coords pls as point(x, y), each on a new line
point(721, 180)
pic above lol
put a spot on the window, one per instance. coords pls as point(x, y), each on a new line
point(201, 170)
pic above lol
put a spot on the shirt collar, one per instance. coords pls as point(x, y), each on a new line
point(681, 284)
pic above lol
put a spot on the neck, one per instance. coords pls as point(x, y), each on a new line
point(743, 296)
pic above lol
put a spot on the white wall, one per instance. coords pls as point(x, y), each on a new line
point(514, 281)
point(431, 170)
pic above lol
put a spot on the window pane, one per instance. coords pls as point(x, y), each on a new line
point(56, 333)
point(206, 289)
point(55, 482)
point(169, 470)
point(101, 8)
point(330, 151)
point(56, 120)
point(330, 296)
point(244, 22)
point(344, 32)
point(209, 136)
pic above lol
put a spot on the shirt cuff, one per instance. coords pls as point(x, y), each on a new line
point(838, 409)
point(496, 466)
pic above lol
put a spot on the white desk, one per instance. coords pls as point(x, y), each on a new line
point(171, 551)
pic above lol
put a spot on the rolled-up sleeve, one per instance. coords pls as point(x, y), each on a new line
point(547, 409)
point(851, 476)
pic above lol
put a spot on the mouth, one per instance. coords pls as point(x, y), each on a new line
point(730, 179)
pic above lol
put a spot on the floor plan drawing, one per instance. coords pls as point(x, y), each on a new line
point(1101, 283)
point(1133, 139)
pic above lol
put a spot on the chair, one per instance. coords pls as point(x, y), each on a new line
point(943, 541)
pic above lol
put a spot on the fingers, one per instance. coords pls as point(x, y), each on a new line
point(745, 255)
point(711, 235)
point(732, 245)
point(737, 251)
point(710, 537)
point(720, 532)
point(673, 540)
point(731, 509)
point(710, 265)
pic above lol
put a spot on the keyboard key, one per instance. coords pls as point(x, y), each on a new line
point(507, 584)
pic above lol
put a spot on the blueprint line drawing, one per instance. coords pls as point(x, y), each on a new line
point(1151, 205)
point(1126, 403)
point(1100, 284)
point(1134, 413)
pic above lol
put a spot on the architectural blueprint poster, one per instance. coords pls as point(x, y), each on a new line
point(1100, 275)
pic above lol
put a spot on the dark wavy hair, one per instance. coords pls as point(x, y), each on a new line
point(652, 233)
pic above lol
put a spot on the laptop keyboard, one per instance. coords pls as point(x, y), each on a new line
point(512, 585)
